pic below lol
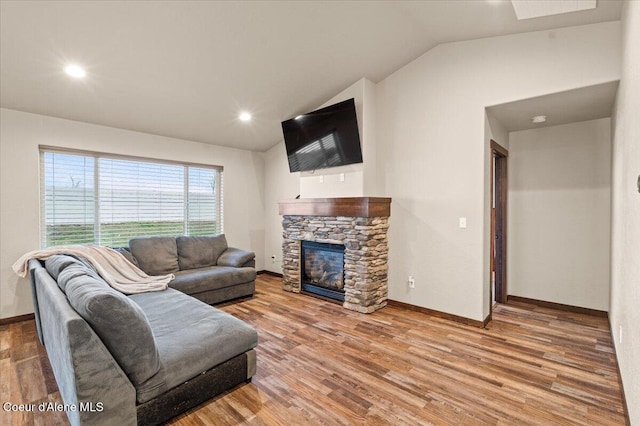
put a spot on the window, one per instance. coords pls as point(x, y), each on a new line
point(107, 200)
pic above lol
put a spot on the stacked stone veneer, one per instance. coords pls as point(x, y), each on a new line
point(365, 256)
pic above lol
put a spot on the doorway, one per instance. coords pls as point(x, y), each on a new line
point(498, 256)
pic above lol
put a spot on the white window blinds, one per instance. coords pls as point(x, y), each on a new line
point(107, 200)
point(67, 199)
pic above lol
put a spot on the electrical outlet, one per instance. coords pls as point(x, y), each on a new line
point(412, 282)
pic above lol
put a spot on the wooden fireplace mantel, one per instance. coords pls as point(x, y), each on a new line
point(347, 206)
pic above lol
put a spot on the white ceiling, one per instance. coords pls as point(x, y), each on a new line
point(586, 103)
point(185, 69)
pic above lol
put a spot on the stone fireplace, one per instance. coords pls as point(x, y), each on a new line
point(360, 226)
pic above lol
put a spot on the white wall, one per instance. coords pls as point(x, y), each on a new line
point(279, 184)
point(559, 214)
point(20, 135)
point(495, 130)
point(372, 176)
point(433, 155)
point(625, 250)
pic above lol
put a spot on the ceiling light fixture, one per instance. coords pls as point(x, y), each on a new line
point(244, 116)
point(75, 71)
point(539, 119)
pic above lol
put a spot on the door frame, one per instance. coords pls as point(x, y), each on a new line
point(499, 187)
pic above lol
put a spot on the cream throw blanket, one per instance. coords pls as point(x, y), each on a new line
point(112, 266)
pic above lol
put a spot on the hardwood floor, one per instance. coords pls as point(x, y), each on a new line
point(323, 365)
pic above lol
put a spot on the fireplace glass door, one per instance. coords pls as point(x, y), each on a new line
point(322, 269)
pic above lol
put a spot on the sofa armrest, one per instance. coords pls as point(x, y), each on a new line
point(83, 368)
point(235, 257)
point(34, 265)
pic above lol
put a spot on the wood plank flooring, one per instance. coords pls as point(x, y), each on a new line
point(319, 364)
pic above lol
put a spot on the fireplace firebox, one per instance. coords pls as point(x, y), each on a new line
point(322, 269)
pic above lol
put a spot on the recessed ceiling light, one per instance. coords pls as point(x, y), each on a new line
point(75, 71)
point(539, 119)
point(244, 116)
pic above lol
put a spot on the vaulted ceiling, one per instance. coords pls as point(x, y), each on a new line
point(186, 69)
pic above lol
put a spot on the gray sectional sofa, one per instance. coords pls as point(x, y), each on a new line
point(205, 267)
point(147, 357)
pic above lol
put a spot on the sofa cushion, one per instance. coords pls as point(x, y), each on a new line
point(155, 255)
point(76, 269)
point(211, 278)
point(198, 252)
point(192, 337)
point(235, 257)
point(57, 263)
point(120, 324)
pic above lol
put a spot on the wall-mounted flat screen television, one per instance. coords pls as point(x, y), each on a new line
point(327, 137)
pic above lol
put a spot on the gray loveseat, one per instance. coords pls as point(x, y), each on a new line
point(138, 359)
point(205, 267)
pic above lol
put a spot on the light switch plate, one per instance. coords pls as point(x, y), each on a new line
point(463, 222)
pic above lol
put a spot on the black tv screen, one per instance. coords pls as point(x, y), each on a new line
point(324, 138)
